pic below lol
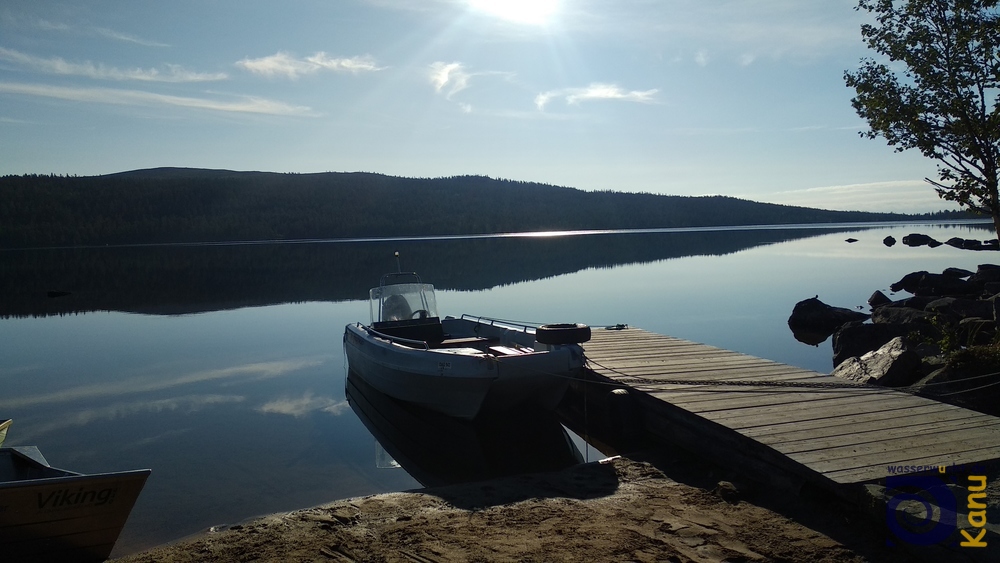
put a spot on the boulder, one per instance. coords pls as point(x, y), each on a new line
point(966, 243)
point(914, 302)
point(878, 299)
point(811, 318)
point(889, 241)
point(892, 365)
point(940, 284)
point(986, 273)
point(909, 282)
point(917, 239)
point(857, 339)
point(967, 387)
point(956, 272)
point(960, 308)
point(900, 315)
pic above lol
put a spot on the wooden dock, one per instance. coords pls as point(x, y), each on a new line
point(783, 423)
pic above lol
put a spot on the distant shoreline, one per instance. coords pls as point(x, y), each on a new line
point(195, 206)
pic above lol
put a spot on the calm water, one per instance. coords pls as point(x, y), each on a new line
point(242, 411)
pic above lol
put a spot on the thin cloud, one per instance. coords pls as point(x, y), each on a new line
point(304, 405)
point(57, 65)
point(104, 32)
point(117, 411)
point(127, 38)
point(450, 78)
point(52, 26)
point(596, 91)
point(284, 64)
point(901, 196)
point(245, 104)
point(257, 371)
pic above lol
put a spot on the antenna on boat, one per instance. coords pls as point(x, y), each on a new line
point(398, 267)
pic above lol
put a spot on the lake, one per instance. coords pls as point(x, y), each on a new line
point(221, 367)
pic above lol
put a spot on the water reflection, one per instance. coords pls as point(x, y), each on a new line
point(242, 411)
point(193, 279)
point(439, 450)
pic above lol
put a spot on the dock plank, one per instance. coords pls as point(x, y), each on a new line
point(754, 410)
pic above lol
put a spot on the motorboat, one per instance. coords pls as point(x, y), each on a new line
point(53, 515)
point(459, 366)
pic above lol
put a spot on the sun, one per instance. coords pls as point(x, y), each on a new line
point(534, 12)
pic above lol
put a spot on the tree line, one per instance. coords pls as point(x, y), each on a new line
point(177, 205)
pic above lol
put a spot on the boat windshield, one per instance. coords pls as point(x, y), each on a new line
point(401, 302)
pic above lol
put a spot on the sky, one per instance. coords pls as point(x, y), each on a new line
point(744, 98)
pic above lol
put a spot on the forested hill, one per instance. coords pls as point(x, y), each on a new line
point(167, 205)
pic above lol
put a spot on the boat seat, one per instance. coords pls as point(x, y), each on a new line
point(506, 351)
point(462, 342)
point(426, 330)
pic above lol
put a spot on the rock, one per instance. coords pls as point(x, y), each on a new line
point(956, 272)
point(811, 318)
point(889, 241)
point(727, 492)
point(995, 302)
point(964, 387)
point(892, 365)
point(917, 239)
point(986, 273)
point(960, 308)
point(900, 315)
point(851, 240)
point(926, 283)
point(915, 302)
point(909, 282)
point(940, 284)
point(878, 299)
point(965, 243)
point(857, 339)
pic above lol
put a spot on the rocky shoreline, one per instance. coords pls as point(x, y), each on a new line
point(941, 342)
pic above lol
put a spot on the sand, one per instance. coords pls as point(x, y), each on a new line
point(615, 510)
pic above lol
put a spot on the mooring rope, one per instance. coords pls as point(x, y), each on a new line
point(705, 385)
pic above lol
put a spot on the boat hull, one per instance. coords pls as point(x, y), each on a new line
point(463, 381)
point(60, 515)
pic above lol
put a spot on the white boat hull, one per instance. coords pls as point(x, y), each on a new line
point(462, 381)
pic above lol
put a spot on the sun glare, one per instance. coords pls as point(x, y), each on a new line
point(535, 12)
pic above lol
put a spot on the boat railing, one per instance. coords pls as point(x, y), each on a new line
point(526, 328)
point(396, 339)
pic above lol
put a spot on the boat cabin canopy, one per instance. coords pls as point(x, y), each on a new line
point(402, 301)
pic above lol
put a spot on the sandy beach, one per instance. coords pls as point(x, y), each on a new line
point(615, 510)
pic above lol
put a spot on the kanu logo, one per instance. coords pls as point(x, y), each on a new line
point(71, 498)
point(924, 509)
